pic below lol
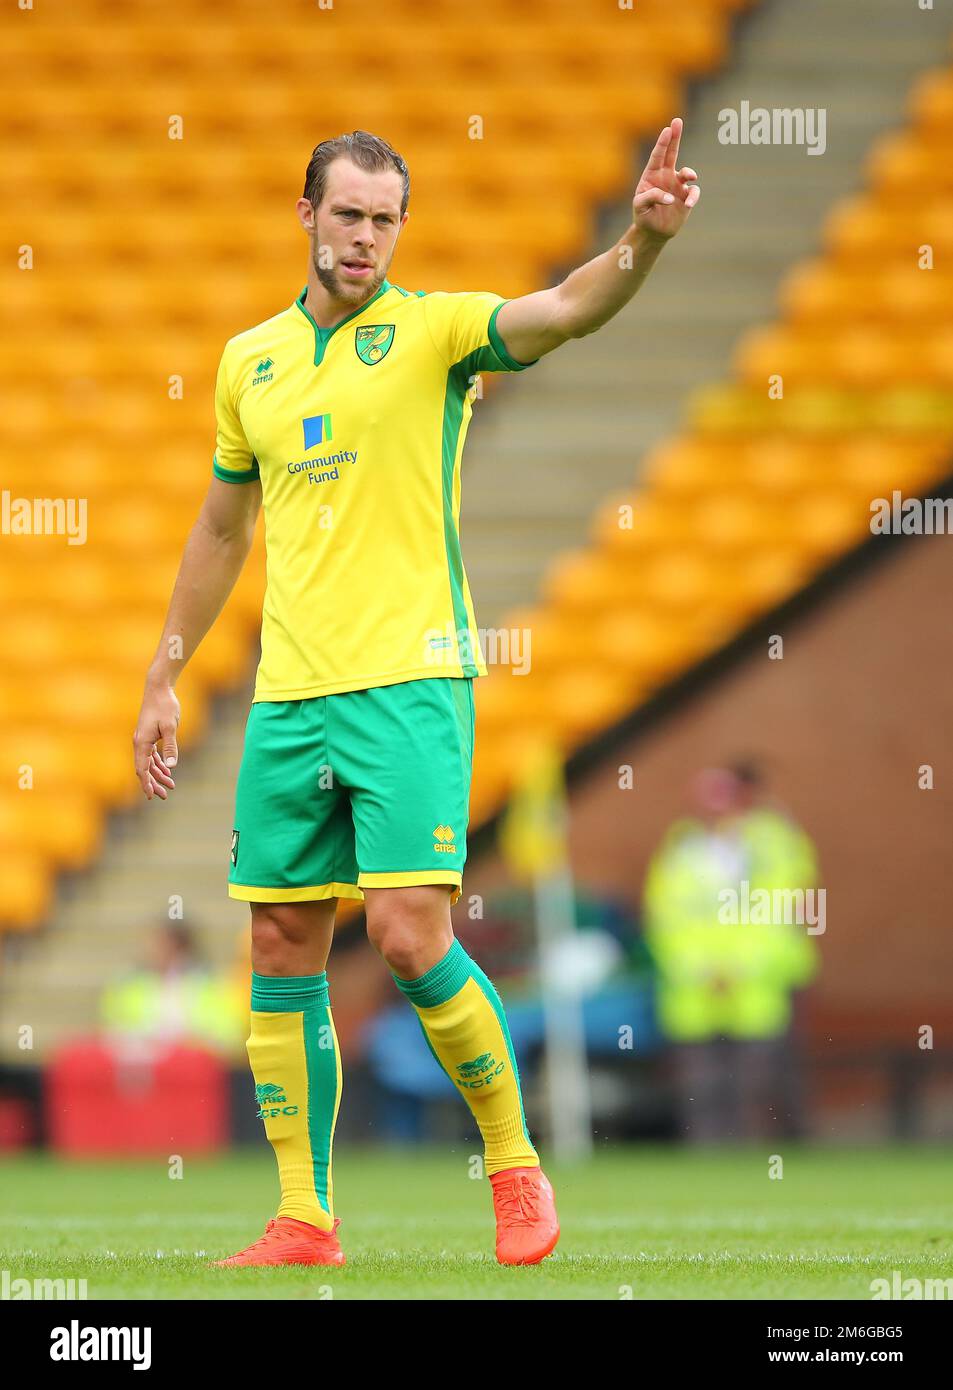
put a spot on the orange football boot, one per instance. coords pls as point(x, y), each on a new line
point(527, 1228)
point(290, 1242)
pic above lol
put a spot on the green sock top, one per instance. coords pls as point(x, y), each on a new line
point(441, 982)
point(280, 994)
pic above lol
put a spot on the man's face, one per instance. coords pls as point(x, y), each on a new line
point(716, 792)
point(354, 230)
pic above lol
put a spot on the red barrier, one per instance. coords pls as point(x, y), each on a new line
point(101, 1098)
point(16, 1123)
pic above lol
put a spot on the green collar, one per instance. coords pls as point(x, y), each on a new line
point(323, 335)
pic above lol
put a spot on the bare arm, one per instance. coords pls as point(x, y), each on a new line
point(214, 554)
point(593, 294)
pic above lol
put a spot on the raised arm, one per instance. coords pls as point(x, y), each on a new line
point(593, 294)
point(214, 554)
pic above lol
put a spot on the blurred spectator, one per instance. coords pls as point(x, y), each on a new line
point(175, 997)
point(726, 976)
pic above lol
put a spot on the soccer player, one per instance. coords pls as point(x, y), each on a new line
point(344, 415)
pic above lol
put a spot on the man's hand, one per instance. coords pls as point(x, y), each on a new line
point(214, 554)
point(157, 723)
point(589, 297)
point(664, 197)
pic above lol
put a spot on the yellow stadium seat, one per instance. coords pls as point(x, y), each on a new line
point(634, 525)
point(931, 102)
point(584, 699)
point(579, 578)
point(899, 162)
point(64, 826)
point(27, 888)
point(687, 465)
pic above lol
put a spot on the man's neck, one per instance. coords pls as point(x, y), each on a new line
point(326, 310)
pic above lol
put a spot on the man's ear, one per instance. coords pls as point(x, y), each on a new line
point(305, 213)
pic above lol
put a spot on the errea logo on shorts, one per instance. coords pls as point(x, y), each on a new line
point(443, 840)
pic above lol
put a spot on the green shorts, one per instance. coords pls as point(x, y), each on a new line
point(365, 789)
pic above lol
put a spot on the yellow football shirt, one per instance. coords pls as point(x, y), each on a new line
point(357, 433)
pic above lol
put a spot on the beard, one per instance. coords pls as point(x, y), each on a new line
point(351, 293)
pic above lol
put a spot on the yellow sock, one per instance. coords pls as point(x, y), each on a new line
point(463, 1021)
point(294, 1056)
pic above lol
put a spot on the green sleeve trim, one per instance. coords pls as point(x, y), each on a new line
point(236, 475)
point(499, 347)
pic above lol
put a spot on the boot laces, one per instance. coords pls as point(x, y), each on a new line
point(269, 1238)
point(519, 1202)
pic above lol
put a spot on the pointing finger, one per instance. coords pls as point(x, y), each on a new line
point(672, 152)
point(657, 157)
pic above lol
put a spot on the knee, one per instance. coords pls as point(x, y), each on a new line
point(396, 947)
point(408, 936)
point(277, 929)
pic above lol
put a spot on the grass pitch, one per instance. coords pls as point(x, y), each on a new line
point(636, 1222)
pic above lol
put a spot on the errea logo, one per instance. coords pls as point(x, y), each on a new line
point(480, 1072)
point(272, 1101)
point(443, 840)
point(263, 372)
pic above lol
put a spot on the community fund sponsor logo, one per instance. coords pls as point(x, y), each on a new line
point(769, 907)
point(317, 430)
point(43, 516)
point(910, 1289)
point(911, 516)
point(480, 1072)
point(776, 125)
point(324, 468)
point(15, 1290)
point(76, 1343)
point(272, 1101)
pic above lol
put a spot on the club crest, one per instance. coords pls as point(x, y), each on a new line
point(373, 342)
